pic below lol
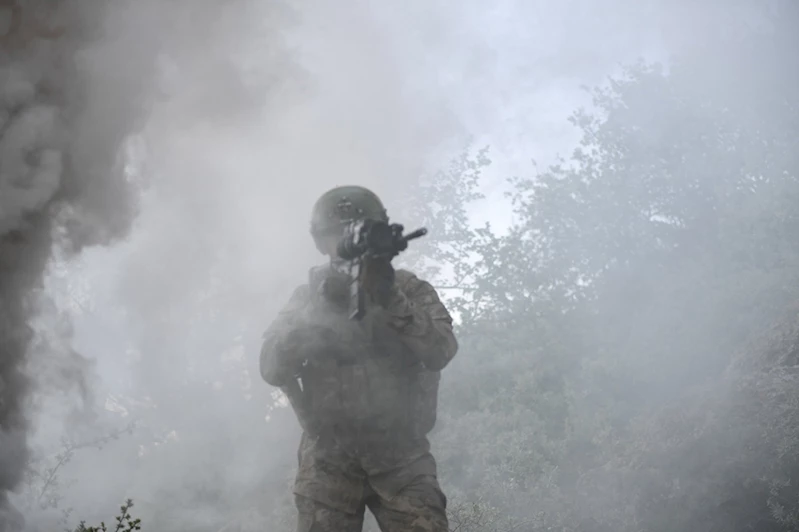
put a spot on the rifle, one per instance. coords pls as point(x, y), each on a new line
point(369, 239)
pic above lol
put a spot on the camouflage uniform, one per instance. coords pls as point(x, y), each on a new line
point(367, 398)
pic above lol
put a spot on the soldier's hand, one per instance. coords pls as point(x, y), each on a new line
point(377, 278)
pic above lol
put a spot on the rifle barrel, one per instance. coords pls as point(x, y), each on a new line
point(416, 234)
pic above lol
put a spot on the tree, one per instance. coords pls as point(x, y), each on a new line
point(636, 271)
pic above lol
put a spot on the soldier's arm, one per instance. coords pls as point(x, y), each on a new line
point(283, 350)
point(422, 321)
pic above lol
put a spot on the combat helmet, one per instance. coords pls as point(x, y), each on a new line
point(341, 205)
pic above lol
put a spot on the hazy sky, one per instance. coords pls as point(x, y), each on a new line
point(393, 90)
point(512, 70)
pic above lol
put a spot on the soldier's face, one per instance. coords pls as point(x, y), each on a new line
point(329, 245)
point(328, 242)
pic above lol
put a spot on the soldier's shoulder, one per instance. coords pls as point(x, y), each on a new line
point(409, 281)
point(300, 297)
point(302, 290)
point(406, 277)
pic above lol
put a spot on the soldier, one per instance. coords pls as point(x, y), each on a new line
point(365, 391)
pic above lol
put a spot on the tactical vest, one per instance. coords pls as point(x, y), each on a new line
point(369, 387)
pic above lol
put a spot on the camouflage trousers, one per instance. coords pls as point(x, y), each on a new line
point(333, 489)
point(419, 507)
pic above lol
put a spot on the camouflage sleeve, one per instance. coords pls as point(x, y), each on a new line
point(281, 353)
point(423, 322)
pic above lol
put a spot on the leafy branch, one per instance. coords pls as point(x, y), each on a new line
point(44, 485)
point(125, 522)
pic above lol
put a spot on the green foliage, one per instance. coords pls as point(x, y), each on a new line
point(604, 378)
point(44, 486)
point(124, 522)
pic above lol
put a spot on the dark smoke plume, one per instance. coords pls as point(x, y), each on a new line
point(65, 111)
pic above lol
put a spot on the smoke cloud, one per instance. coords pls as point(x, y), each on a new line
point(66, 106)
point(220, 124)
point(194, 135)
